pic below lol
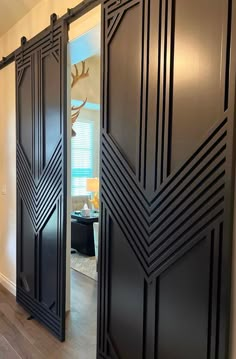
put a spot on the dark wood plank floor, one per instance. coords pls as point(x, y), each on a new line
point(20, 338)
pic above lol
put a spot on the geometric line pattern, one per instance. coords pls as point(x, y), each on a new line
point(45, 45)
point(41, 179)
point(112, 10)
point(167, 204)
point(46, 316)
point(115, 14)
point(40, 196)
point(160, 228)
point(215, 236)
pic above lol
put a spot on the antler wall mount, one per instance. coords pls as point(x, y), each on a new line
point(76, 77)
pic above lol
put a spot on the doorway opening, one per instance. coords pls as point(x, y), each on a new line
point(84, 52)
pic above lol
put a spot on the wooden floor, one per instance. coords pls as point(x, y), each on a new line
point(20, 338)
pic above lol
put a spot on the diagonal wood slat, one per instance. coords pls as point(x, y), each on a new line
point(40, 196)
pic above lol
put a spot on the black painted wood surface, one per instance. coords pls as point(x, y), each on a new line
point(166, 179)
point(41, 177)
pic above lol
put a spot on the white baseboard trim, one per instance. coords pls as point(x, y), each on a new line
point(8, 284)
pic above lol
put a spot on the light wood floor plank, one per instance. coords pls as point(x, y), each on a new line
point(24, 339)
point(6, 350)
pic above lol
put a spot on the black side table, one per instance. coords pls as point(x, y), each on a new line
point(82, 238)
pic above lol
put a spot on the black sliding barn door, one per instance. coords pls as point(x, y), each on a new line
point(166, 189)
point(41, 177)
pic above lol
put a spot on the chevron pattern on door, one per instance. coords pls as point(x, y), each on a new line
point(156, 231)
point(40, 196)
point(166, 174)
point(41, 177)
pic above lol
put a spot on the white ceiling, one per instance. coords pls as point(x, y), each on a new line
point(12, 11)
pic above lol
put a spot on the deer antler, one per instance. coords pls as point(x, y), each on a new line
point(76, 77)
point(75, 115)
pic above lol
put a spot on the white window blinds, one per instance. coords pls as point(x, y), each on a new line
point(82, 155)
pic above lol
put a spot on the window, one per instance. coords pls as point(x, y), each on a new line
point(82, 150)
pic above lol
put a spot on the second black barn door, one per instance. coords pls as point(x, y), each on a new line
point(41, 177)
point(167, 179)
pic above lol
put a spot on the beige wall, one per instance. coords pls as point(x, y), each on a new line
point(35, 21)
point(7, 177)
point(88, 87)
